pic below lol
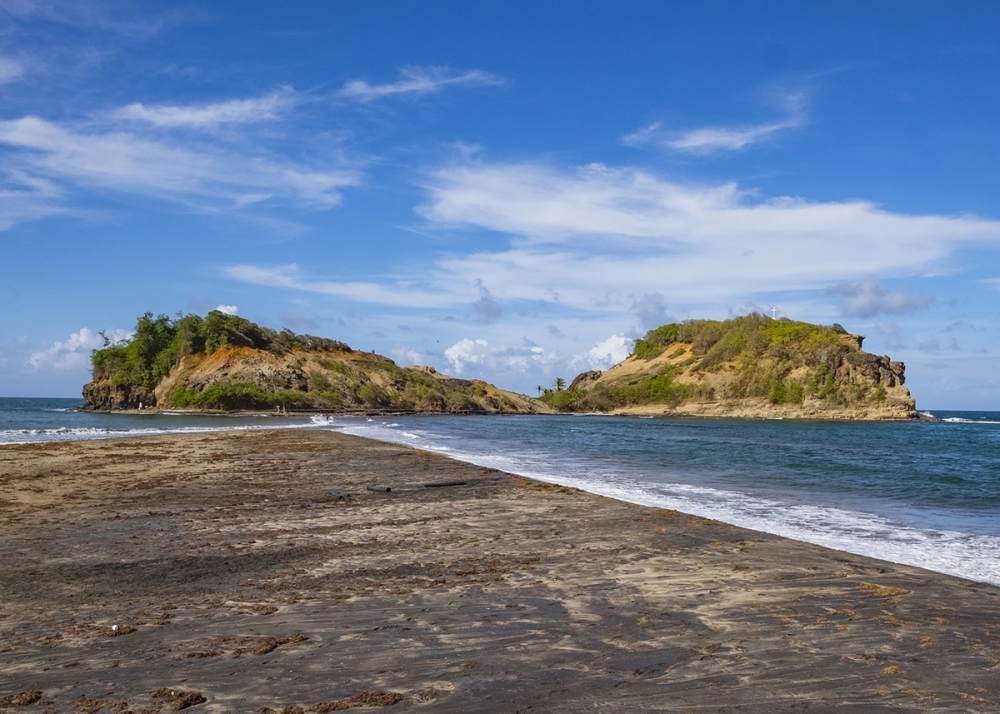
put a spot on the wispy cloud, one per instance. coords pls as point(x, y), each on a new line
point(208, 116)
point(602, 241)
point(417, 81)
point(868, 298)
point(118, 17)
point(293, 278)
point(598, 231)
point(27, 198)
point(10, 70)
point(715, 139)
point(206, 177)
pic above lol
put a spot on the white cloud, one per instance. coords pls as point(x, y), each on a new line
point(406, 356)
point(209, 116)
point(27, 198)
point(101, 14)
point(596, 231)
point(708, 140)
point(418, 81)
point(869, 298)
point(10, 70)
point(74, 353)
point(291, 277)
point(228, 309)
point(605, 354)
point(485, 356)
point(207, 177)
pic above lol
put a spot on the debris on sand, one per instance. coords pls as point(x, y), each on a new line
point(367, 698)
point(21, 699)
point(178, 699)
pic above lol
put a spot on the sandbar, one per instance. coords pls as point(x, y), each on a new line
point(255, 572)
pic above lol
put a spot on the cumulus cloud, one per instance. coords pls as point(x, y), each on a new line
point(407, 356)
point(715, 139)
point(74, 353)
point(208, 116)
point(487, 309)
point(605, 354)
point(483, 355)
point(417, 81)
point(651, 309)
point(869, 298)
point(228, 309)
point(208, 176)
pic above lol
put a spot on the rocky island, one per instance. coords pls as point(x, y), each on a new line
point(225, 362)
point(751, 366)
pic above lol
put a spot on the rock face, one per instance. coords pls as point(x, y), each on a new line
point(103, 396)
point(748, 367)
point(334, 380)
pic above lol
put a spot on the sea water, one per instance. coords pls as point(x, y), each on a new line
point(922, 493)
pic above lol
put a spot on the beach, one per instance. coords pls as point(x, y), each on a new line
point(253, 571)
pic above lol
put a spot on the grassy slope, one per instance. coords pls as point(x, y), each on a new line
point(226, 362)
point(782, 362)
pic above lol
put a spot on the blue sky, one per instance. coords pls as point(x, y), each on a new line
point(511, 191)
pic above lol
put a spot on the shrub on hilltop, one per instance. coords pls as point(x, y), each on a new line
point(159, 343)
point(781, 360)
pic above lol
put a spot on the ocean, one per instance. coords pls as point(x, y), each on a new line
point(921, 493)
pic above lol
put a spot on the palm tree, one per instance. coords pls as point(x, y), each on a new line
point(539, 388)
point(559, 384)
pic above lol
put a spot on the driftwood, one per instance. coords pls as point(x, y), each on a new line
point(440, 484)
point(374, 487)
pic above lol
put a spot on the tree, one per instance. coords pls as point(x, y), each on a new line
point(539, 388)
point(559, 384)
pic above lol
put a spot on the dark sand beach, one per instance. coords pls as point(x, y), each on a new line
point(241, 579)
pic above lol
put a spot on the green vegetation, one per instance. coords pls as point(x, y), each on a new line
point(159, 343)
point(655, 341)
point(782, 361)
point(239, 395)
point(279, 370)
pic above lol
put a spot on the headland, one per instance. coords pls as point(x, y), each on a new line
point(745, 367)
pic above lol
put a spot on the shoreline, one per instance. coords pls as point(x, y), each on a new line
point(497, 595)
point(719, 411)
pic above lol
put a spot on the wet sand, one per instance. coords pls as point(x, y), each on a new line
point(239, 580)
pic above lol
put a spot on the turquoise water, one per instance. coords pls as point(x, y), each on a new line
point(923, 493)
